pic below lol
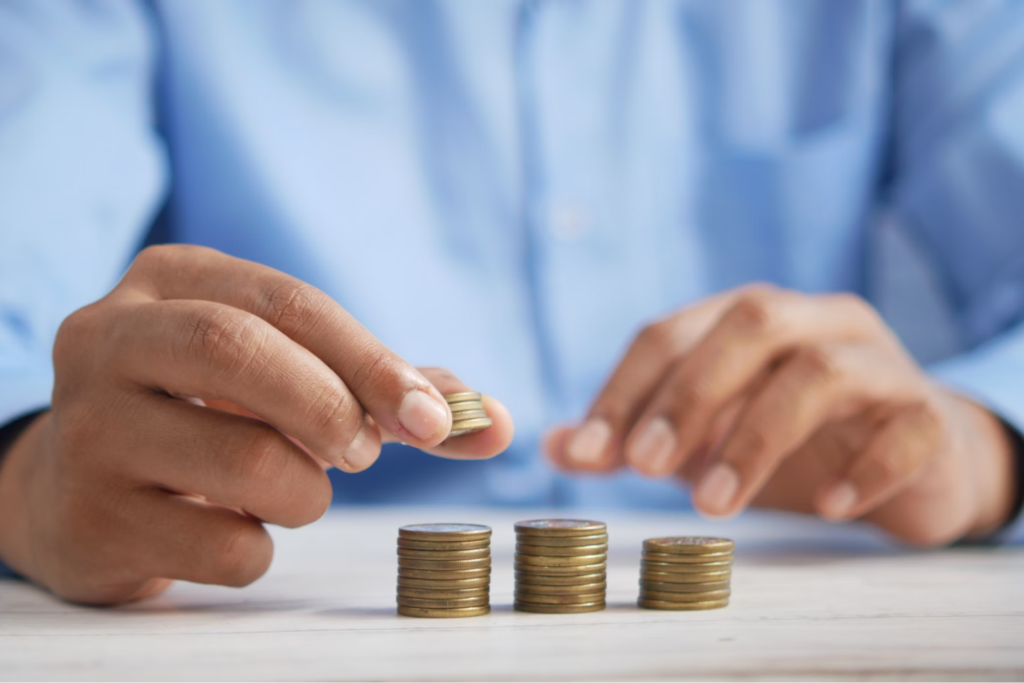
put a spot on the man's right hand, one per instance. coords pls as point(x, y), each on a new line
point(130, 481)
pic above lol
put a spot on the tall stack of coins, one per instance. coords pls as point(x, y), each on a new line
point(444, 570)
point(468, 414)
point(685, 573)
point(560, 566)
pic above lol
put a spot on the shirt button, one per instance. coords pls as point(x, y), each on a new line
point(567, 223)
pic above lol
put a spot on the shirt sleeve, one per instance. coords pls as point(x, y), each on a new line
point(82, 172)
point(958, 183)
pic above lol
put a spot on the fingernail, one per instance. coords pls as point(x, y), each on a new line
point(589, 442)
point(839, 501)
point(653, 448)
point(716, 490)
point(421, 415)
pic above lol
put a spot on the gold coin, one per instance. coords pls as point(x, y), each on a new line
point(432, 594)
point(685, 597)
point(666, 587)
point(464, 415)
point(567, 542)
point(546, 599)
point(576, 580)
point(689, 544)
point(469, 426)
point(551, 551)
point(451, 575)
point(692, 558)
point(452, 603)
point(662, 604)
point(462, 396)
point(475, 554)
point(548, 561)
point(429, 613)
point(479, 563)
point(581, 589)
point(687, 567)
point(687, 577)
point(558, 609)
point(468, 407)
point(535, 570)
point(445, 532)
point(559, 527)
point(443, 545)
point(481, 583)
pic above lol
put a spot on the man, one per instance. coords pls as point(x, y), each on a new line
point(563, 202)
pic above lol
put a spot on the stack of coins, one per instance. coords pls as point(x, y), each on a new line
point(685, 573)
point(468, 414)
point(444, 570)
point(560, 566)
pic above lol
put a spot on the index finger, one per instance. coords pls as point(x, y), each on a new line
point(393, 392)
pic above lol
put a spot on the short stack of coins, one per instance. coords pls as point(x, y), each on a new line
point(444, 570)
point(468, 414)
point(561, 566)
point(685, 573)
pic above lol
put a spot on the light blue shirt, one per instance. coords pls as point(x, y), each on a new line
point(512, 189)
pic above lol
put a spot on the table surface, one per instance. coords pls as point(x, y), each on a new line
point(810, 600)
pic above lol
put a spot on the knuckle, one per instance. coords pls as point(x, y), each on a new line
point(817, 364)
point(376, 368)
point(754, 441)
point(658, 338)
point(755, 313)
point(688, 395)
point(336, 413)
point(224, 339)
point(295, 308)
point(243, 555)
point(262, 460)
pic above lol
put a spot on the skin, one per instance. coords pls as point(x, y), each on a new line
point(203, 398)
point(808, 403)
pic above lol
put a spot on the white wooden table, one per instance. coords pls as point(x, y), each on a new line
point(810, 600)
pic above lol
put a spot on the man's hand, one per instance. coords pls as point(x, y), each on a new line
point(131, 481)
point(807, 403)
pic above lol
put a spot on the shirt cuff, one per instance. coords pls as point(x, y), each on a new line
point(991, 375)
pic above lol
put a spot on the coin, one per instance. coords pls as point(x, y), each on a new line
point(468, 415)
point(481, 583)
point(573, 580)
point(558, 609)
point(688, 544)
point(661, 604)
point(666, 587)
point(581, 589)
point(580, 570)
point(466, 406)
point(551, 551)
point(469, 426)
point(475, 554)
point(687, 567)
point(442, 604)
point(462, 396)
point(692, 558)
point(450, 575)
point(559, 527)
point(479, 563)
point(686, 577)
point(443, 545)
point(436, 594)
point(548, 561)
point(445, 532)
point(685, 597)
point(444, 613)
point(547, 599)
point(567, 542)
